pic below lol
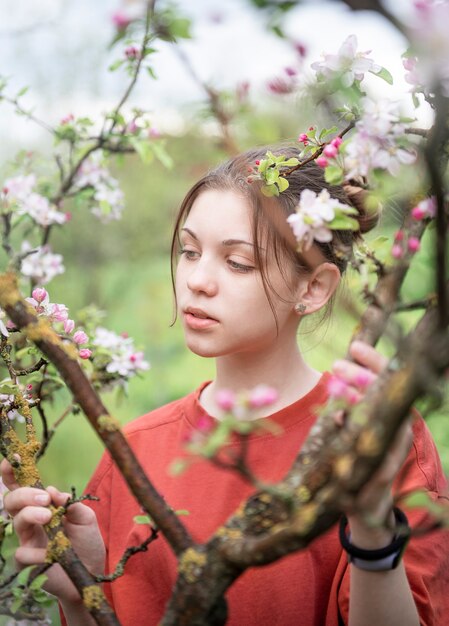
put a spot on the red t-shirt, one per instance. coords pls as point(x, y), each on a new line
point(310, 587)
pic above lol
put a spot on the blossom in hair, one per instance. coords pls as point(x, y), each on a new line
point(347, 65)
point(317, 215)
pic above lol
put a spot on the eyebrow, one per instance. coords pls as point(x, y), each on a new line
point(225, 242)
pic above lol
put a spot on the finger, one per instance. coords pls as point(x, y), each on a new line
point(30, 556)
point(77, 513)
point(353, 374)
point(29, 517)
point(368, 356)
point(25, 496)
point(8, 475)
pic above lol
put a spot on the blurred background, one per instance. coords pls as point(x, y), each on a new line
point(61, 50)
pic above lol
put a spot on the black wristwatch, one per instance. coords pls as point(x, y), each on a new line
point(382, 559)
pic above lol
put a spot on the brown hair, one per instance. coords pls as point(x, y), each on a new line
point(269, 214)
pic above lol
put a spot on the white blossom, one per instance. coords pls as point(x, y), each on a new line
point(124, 360)
point(41, 265)
point(20, 191)
point(108, 198)
point(3, 329)
point(348, 65)
point(313, 217)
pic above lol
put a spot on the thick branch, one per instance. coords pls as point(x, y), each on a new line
point(104, 424)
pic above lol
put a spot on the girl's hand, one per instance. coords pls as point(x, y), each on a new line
point(29, 509)
point(375, 500)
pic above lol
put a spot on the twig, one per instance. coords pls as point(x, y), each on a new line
point(129, 552)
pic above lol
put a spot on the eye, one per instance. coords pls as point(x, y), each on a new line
point(240, 267)
point(188, 254)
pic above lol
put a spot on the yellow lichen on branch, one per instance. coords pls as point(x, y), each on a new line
point(108, 423)
point(191, 564)
point(93, 597)
point(9, 293)
point(56, 547)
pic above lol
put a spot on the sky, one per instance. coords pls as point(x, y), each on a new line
point(59, 49)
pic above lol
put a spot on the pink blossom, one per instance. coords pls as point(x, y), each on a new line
point(330, 151)
point(337, 141)
point(67, 119)
point(68, 216)
point(337, 387)
point(154, 133)
point(399, 236)
point(40, 294)
point(262, 396)
point(290, 71)
point(303, 137)
point(413, 245)
point(242, 91)
point(69, 325)
point(205, 423)
point(59, 312)
point(300, 49)
point(132, 127)
point(425, 208)
point(85, 353)
point(396, 251)
point(80, 337)
point(322, 161)
point(225, 399)
point(281, 86)
point(120, 20)
point(132, 52)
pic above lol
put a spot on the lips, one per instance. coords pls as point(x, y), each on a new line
point(197, 319)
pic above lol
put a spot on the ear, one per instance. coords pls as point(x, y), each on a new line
point(318, 287)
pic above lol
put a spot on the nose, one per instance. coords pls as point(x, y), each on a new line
point(202, 278)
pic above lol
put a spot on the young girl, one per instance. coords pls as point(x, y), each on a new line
point(242, 290)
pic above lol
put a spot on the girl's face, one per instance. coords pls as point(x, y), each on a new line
point(220, 294)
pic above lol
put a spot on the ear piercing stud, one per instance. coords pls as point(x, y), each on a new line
point(300, 308)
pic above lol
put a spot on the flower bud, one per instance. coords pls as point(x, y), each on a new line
point(399, 236)
point(303, 137)
point(225, 399)
point(330, 151)
point(85, 353)
point(39, 294)
point(413, 244)
point(261, 396)
point(321, 161)
point(80, 337)
point(69, 325)
point(396, 251)
point(337, 141)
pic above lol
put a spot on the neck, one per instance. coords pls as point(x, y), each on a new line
point(285, 370)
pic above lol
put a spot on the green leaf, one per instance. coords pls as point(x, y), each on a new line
point(162, 155)
point(114, 66)
point(22, 92)
point(182, 512)
point(143, 148)
point(38, 582)
point(271, 176)
point(16, 604)
point(333, 174)
point(343, 222)
point(23, 576)
point(282, 184)
point(151, 72)
point(180, 28)
point(143, 519)
point(178, 467)
point(8, 387)
point(270, 190)
point(291, 162)
point(384, 74)
point(327, 131)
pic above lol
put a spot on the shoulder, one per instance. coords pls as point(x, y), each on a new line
point(156, 423)
point(422, 468)
point(162, 416)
